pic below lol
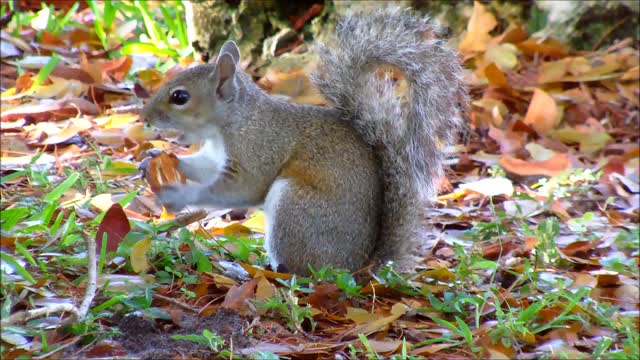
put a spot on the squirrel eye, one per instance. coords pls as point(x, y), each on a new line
point(179, 97)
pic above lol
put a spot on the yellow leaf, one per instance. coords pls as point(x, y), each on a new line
point(360, 316)
point(120, 120)
point(631, 74)
point(103, 202)
point(165, 215)
point(232, 229)
point(441, 274)
point(551, 71)
point(503, 55)
point(478, 28)
point(265, 290)
point(222, 281)
point(590, 141)
point(399, 309)
point(256, 223)
point(138, 256)
point(9, 92)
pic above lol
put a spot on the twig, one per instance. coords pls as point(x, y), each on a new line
point(92, 267)
point(175, 302)
point(77, 314)
point(607, 33)
point(24, 316)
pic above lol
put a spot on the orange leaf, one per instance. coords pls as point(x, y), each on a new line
point(495, 76)
point(551, 167)
point(542, 114)
point(163, 169)
point(478, 28)
point(580, 248)
point(550, 47)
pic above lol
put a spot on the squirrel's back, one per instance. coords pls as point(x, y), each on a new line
point(407, 135)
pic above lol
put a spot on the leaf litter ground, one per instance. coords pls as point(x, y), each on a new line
point(534, 243)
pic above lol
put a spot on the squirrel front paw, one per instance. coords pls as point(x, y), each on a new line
point(143, 167)
point(174, 197)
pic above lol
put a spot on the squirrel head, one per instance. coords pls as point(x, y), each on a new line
point(201, 100)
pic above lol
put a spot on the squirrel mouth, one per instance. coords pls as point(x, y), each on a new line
point(172, 134)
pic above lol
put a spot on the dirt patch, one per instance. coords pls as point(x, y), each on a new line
point(147, 339)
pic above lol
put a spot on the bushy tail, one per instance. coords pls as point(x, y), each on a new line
point(409, 134)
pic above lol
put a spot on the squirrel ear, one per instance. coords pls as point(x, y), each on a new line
point(230, 48)
point(225, 77)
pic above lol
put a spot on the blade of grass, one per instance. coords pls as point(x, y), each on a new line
point(23, 251)
point(98, 23)
point(56, 193)
point(155, 35)
point(16, 266)
point(45, 71)
point(107, 304)
point(103, 253)
point(15, 175)
point(60, 24)
point(109, 14)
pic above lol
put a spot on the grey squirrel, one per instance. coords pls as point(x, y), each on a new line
point(340, 185)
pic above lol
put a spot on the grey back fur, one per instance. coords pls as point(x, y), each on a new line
point(407, 135)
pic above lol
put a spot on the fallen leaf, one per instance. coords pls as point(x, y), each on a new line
point(256, 223)
point(490, 187)
point(590, 140)
point(116, 225)
point(238, 296)
point(480, 24)
point(264, 290)
point(495, 76)
point(539, 152)
point(385, 346)
point(505, 56)
point(543, 113)
point(138, 257)
point(162, 170)
point(360, 316)
point(551, 167)
point(547, 47)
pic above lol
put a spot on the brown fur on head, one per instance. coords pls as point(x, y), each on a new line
point(198, 101)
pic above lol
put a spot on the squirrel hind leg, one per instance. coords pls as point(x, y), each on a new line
point(303, 229)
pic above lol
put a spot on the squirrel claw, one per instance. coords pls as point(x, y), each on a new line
point(153, 153)
point(143, 167)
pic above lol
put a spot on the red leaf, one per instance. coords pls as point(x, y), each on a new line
point(116, 225)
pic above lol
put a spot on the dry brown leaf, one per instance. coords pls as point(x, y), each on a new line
point(549, 47)
point(238, 296)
